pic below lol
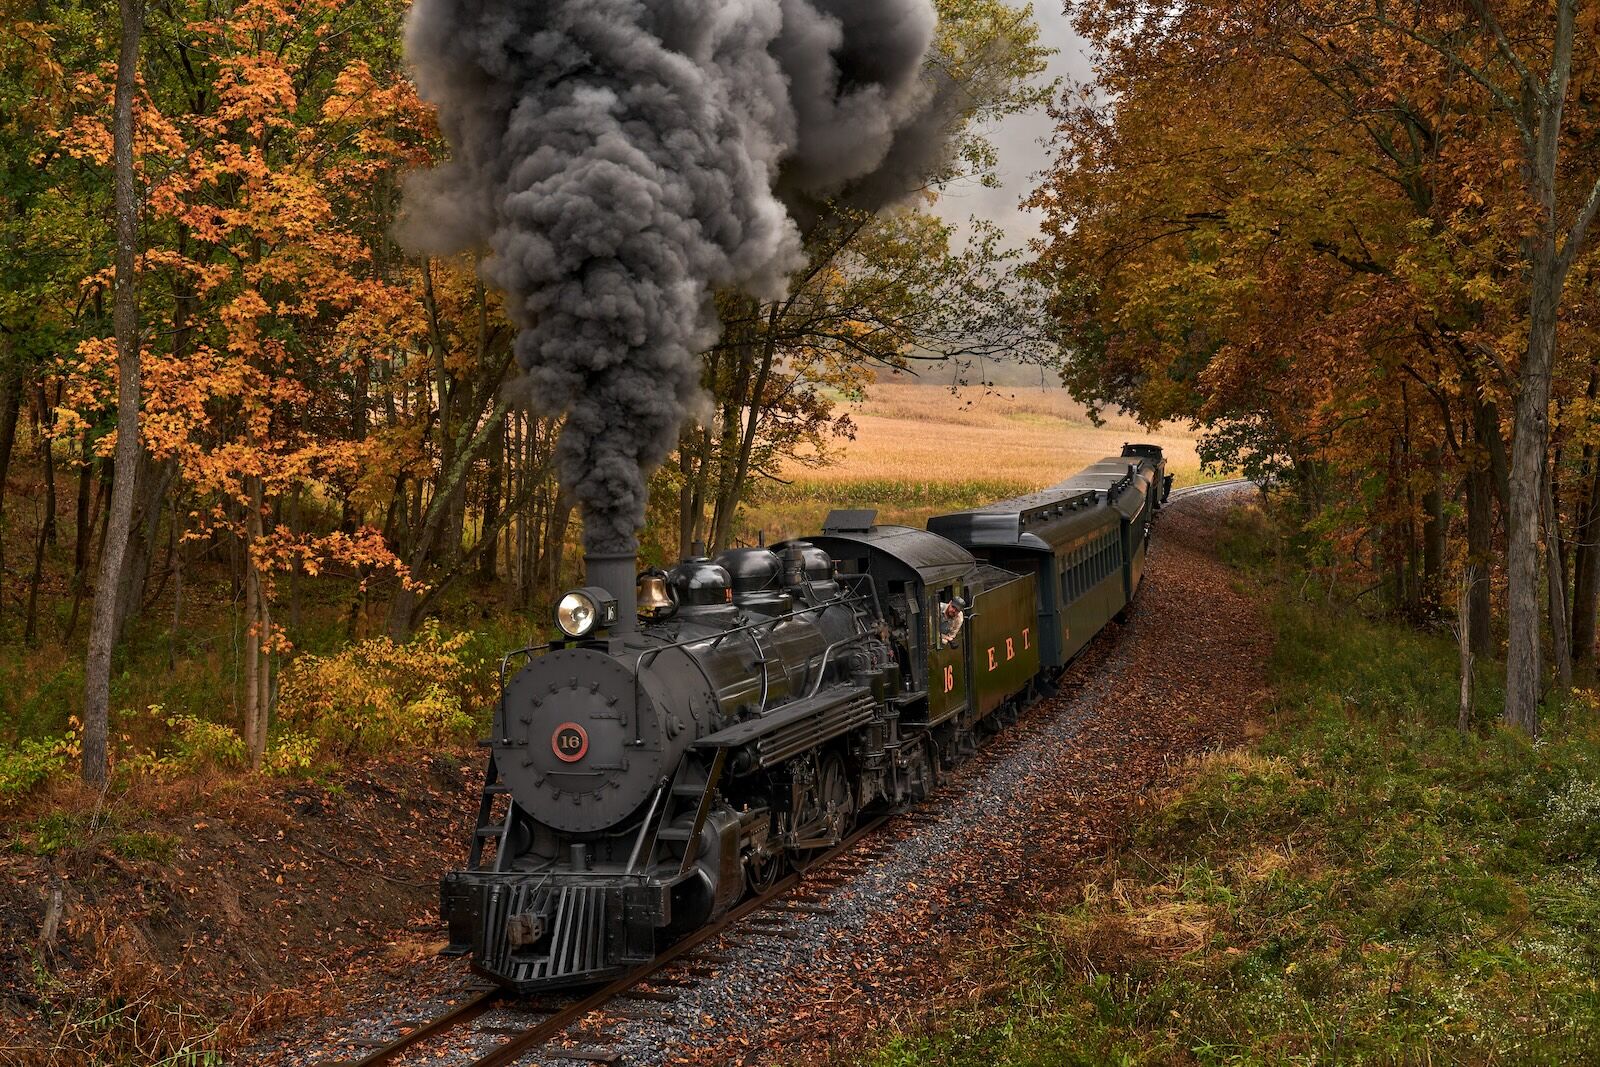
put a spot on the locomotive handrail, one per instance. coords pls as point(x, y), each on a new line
point(505, 660)
point(766, 671)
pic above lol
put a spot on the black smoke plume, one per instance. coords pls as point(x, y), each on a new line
point(618, 160)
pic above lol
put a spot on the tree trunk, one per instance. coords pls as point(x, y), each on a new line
point(295, 566)
point(11, 389)
point(1549, 253)
point(556, 544)
point(1486, 425)
point(754, 407)
point(98, 517)
point(701, 489)
point(488, 557)
point(125, 324)
point(256, 633)
point(47, 461)
point(1523, 655)
point(30, 624)
point(81, 524)
point(440, 524)
point(150, 498)
point(1396, 538)
point(1480, 550)
point(1586, 576)
point(10, 408)
point(686, 495)
point(1433, 537)
point(178, 550)
point(727, 501)
point(1464, 622)
point(1556, 589)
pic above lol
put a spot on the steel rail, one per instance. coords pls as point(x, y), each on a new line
point(1207, 487)
point(563, 1020)
point(559, 1023)
point(459, 1015)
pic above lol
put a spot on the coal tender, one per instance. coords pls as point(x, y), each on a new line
point(696, 732)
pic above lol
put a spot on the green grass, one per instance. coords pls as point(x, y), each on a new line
point(58, 831)
point(1364, 885)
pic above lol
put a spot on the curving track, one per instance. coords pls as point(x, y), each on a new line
point(1190, 491)
point(542, 1023)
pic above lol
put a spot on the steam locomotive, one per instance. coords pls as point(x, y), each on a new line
point(695, 733)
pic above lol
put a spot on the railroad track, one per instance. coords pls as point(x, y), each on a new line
point(1208, 487)
point(558, 1019)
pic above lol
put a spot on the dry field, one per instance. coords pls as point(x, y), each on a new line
point(921, 449)
point(1031, 436)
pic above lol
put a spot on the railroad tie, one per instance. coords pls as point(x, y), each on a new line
point(661, 996)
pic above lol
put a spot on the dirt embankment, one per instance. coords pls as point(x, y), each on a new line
point(190, 914)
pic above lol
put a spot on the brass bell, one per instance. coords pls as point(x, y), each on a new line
point(654, 600)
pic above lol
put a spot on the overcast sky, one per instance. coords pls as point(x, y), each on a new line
point(1018, 140)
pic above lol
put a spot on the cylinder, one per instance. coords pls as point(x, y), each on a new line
point(616, 573)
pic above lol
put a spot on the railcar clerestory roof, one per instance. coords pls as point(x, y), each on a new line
point(1124, 480)
point(1048, 520)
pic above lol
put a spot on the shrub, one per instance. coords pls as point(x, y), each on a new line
point(50, 833)
point(377, 694)
point(199, 744)
point(290, 753)
point(1572, 821)
point(30, 763)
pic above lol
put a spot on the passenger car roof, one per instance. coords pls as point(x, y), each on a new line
point(1051, 518)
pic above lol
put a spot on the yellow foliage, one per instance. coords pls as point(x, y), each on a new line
point(196, 744)
point(376, 694)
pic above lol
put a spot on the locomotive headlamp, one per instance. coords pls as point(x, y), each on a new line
point(580, 611)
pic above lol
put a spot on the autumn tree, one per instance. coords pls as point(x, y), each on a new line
point(1368, 178)
point(245, 142)
point(1520, 57)
point(102, 632)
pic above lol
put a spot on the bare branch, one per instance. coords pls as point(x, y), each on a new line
point(1578, 234)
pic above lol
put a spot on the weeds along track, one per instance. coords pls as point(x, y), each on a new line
point(549, 1020)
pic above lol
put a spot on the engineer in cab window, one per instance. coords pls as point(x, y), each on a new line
point(951, 616)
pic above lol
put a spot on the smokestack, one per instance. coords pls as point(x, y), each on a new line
point(617, 573)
